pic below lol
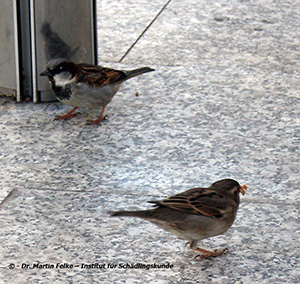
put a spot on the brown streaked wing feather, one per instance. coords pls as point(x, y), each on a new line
point(90, 68)
point(98, 76)
point(199, 201)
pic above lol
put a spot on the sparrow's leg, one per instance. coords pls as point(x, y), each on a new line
point(99, 119)
point(207, 253)
point(67, 115)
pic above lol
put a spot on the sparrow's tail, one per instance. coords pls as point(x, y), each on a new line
point(136, 72)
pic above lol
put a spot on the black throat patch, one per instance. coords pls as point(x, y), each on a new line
point(62, 93)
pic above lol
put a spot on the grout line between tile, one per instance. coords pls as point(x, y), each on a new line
point(162, 9)
point(157, 197)
point(9, 195)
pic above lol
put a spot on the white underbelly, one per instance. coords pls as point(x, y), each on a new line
point(91, 97)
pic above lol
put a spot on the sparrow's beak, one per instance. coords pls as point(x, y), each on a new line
point(243, 188)
point(46, 72)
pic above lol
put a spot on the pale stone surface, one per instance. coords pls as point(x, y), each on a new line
point(223, 102)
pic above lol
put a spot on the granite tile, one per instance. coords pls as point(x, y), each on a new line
point(223, 33)
point(50, 227)
point(223, 102)
point(172, 137)
point(120, 23)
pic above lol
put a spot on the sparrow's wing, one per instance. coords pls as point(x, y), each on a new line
point(98, 76)
point(199, 201)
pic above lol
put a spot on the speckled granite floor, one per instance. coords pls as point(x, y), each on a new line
point(224, 102)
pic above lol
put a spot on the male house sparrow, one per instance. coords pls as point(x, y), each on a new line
point(197, 213)
point(86, 85)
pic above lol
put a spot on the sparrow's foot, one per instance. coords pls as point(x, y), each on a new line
point(99, 119)
point(96, 121)
point(60, 117)
point(207, 253)
point(68, 115)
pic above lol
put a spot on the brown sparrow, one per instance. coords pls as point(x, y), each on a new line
point(196, 214)
point(86, 85)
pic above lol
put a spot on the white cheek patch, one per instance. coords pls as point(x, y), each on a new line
point(63, 79)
